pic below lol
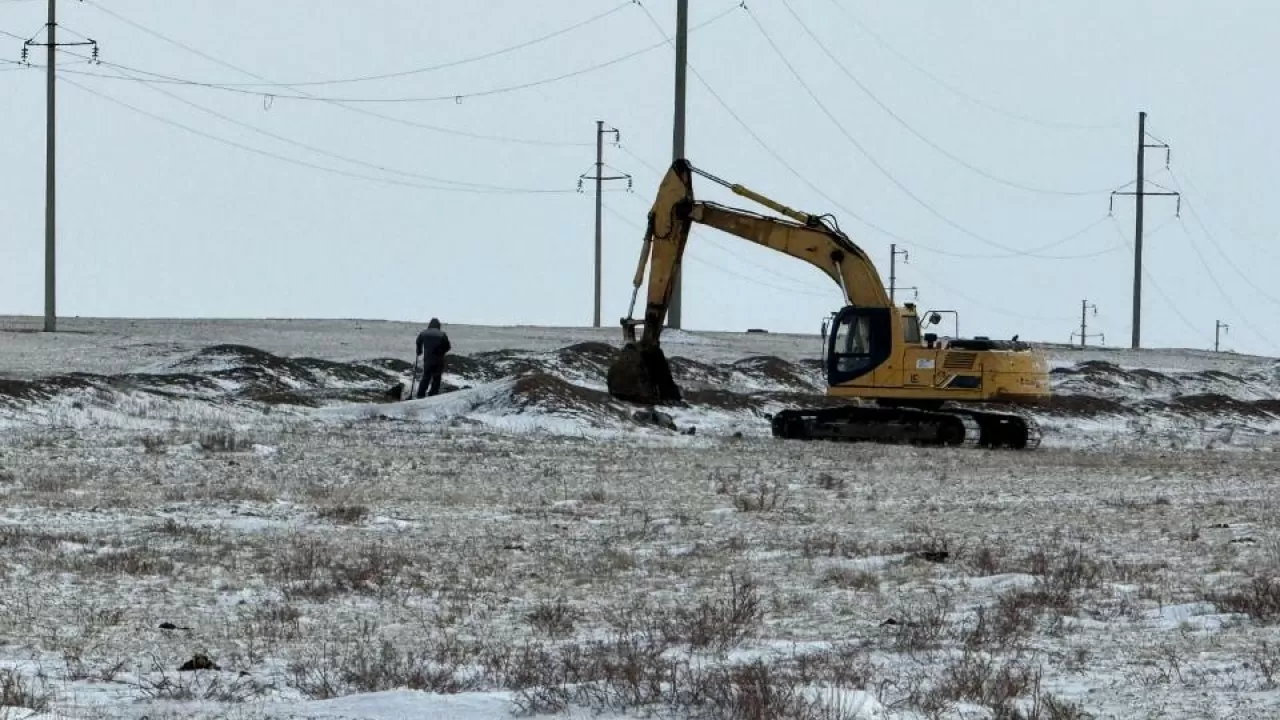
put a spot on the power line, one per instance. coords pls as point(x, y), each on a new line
point(1056, 124)
point(276, 156)
point(359, 110)
point(865, 153)
point(804, 180)
point(990, 308)
point(343, 158)
point(1195, 215)
point(909, 128)
point(402, 73)
point(458, 97)
point(1221, 290)
point(1151, 278)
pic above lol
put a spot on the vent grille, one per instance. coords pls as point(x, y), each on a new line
point(959, 361)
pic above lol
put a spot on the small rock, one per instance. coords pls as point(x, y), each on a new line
point(171, 626)
point(934, 556)
point(199, 661)
point(653, 417)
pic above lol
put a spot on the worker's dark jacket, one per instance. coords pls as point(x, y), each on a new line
point(433, 343)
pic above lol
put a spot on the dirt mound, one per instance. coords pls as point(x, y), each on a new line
point(770, 370)
point(1216, 404)
point(1083, 406)
point(545, 394)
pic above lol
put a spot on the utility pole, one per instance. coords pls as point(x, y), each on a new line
point(677, 145)
point(1219, 326)
point(599, 178)
point(1139, 193)
point(50, 186)
point(1084, 323)
point(894, 252)
point(50, 172)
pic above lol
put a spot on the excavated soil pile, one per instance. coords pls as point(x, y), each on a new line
point(571, 381)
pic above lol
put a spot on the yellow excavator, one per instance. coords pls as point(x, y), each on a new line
point(904, 386)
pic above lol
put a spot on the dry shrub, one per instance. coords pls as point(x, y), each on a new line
point(986, 560)
point(225, 441)
point(920, 624)
point(764, 498)
point(977, 677)
point(1260, 599)
point(19, 692)
point(827, 481)
point(554, 618)
point(850, 579)
point(722, 622)
point(1059, 577)
point(344, 514)
point(439, 662)
point(317, 572)
point(1265, 660)
point(630, 674)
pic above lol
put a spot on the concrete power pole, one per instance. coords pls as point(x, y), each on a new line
point(1218, 327)
point(1139, 193)
point(677, 145)
point(599, 177)
point(1084, 320)
point(50, 216)
point(50, 165)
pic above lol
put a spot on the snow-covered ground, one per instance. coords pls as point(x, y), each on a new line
point(245, 492)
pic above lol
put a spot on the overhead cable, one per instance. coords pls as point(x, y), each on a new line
point(990, 308)
point(823, 194)
point(400, 73)
point(1221, 290)
point(865, 153)
point(343, 158)
point(1195, 215)
point(457, 97)
point(1056, 124)
point(1151, 278)
point(359, 110)
point(282, 158)
point(926, 140)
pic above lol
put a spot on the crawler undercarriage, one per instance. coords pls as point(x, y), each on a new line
point(954, 426)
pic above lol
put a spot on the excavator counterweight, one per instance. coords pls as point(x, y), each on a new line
point(902, 387)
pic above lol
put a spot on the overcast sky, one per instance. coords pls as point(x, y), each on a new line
point(963, 115)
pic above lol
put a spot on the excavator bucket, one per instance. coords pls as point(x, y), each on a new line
point(642, 376)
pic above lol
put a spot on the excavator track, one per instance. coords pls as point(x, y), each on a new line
point(1003, 430)
point(904, 426)
point(947, 427)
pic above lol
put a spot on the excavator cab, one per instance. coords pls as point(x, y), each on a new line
point(861, 340)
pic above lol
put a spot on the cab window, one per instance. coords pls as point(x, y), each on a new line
point(910, 331)
point(853, 344)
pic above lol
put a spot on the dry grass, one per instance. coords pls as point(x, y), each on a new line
point(650, 589)
point(17, 691)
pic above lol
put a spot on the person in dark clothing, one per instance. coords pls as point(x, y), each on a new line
point(433, 343)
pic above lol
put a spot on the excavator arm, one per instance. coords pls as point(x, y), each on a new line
point(642, 373)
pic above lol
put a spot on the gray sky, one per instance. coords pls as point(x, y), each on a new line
point(157, 221)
